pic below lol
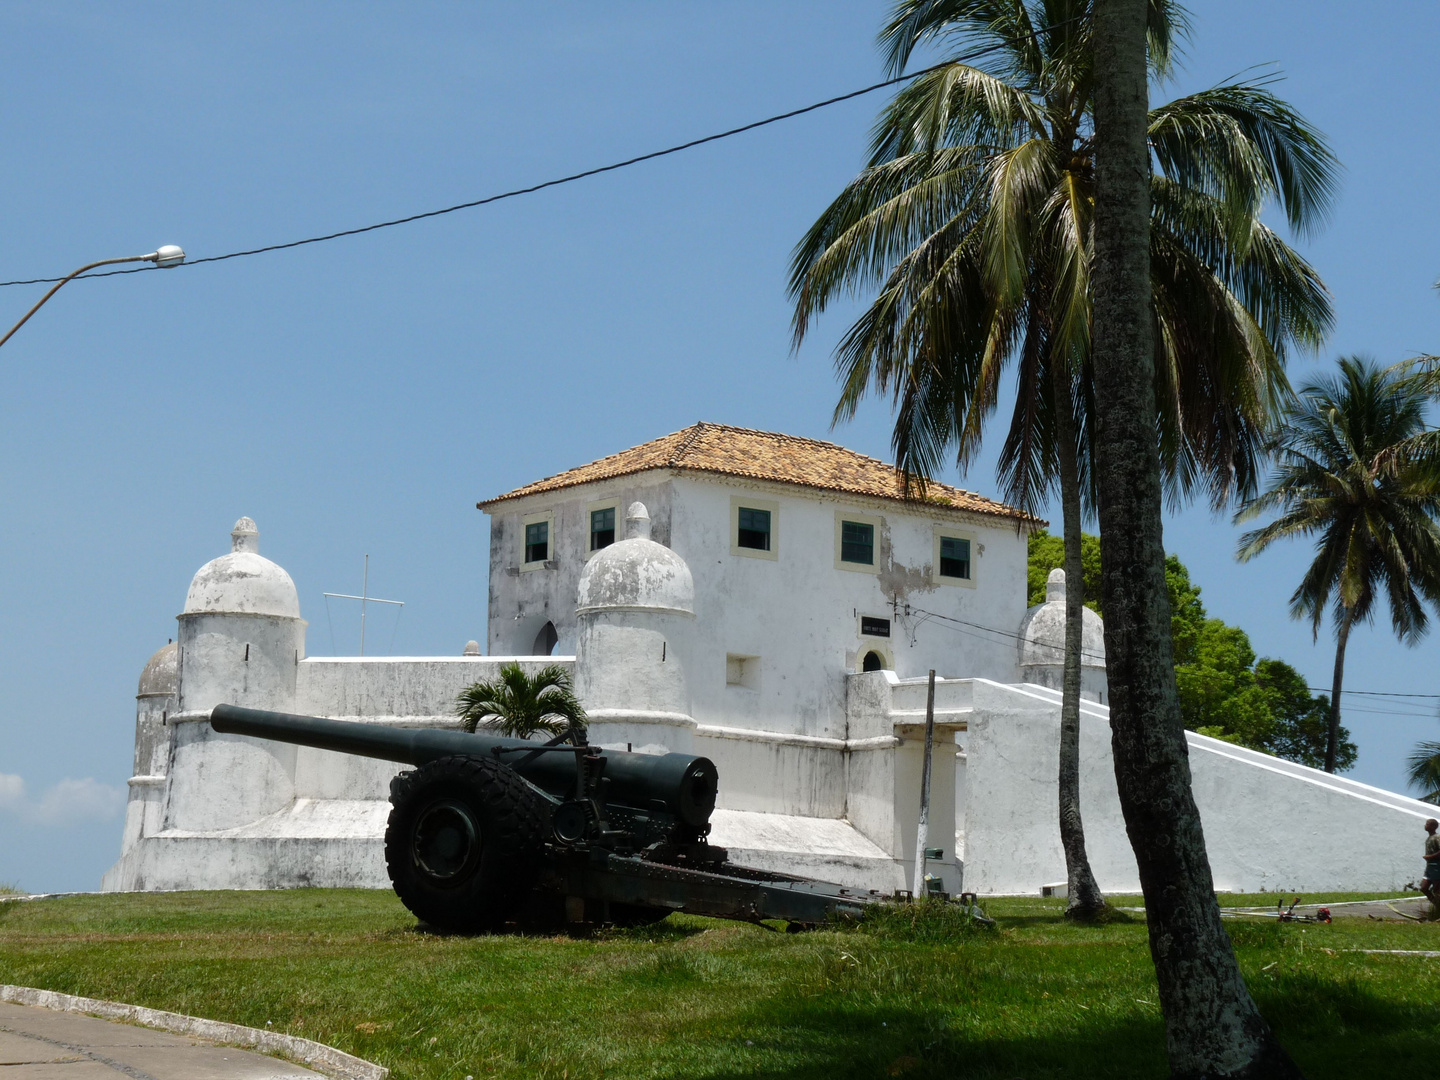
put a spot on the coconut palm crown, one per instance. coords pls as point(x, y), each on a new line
point(1423, 770)
point(1343, 474)
point(973, 222)
point(520, 705)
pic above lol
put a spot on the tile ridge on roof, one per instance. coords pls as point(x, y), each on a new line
point(692, 435)
point(782, 436)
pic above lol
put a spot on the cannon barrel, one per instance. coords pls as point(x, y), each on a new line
point(683, 783)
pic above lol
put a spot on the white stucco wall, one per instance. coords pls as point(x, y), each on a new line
point(522, 601)
point(1269, 824)
point(795, 616)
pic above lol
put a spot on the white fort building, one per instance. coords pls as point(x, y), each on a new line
point(774, 603)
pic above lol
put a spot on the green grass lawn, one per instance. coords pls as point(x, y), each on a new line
point(697, 998)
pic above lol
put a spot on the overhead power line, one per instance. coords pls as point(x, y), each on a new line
point(958, 626)
point(585, 174)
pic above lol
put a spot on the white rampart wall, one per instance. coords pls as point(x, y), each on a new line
point(194, 825)
point(1269, 824)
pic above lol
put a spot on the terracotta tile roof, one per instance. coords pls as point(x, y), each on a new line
point(763, 455)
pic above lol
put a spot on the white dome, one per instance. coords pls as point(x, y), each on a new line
point(162, 672)
point(636, 573)
point(243, 582)
point(1042, 633)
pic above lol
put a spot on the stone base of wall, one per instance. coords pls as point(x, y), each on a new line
point(318, 843)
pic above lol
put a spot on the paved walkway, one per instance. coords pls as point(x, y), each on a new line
point(42, 1044)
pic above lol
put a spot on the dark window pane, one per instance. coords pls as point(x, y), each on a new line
point(754, 529)
point(537, 542)
point(873, 662)
point(857, 542)
point(873, 627)
point(954, 557)
point(602, 528)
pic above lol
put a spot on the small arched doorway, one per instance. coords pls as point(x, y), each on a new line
point(545, 640)
point(873, 661)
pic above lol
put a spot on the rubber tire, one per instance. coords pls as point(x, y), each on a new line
point(511, 824)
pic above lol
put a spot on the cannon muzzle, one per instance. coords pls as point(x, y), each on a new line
point(685, 785)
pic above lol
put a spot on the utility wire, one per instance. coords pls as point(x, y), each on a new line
point(1010, 635)
point(974, 54)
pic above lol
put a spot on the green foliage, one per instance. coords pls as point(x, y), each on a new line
point(1225, 691)
point(1301, 718)
point(1047, 552)
point(521, 705)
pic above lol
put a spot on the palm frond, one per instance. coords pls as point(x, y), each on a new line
point(1423, 770)
point(1244, 146)
point(518, 705)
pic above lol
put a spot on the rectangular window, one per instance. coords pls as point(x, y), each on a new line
point(873, 627)
point(602, 528)
point(754, 532)
point(754, 527)
point(954, 557)
point(857, 542)
point(537, 542)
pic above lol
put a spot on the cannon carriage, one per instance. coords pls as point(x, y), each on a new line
point(487, 832)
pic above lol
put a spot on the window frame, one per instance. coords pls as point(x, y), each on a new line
point(942, 532)
point(548, 517)
point(876, 522)
point(602, 504)
point(770, 505)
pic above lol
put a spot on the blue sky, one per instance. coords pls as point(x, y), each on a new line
point(359, 397)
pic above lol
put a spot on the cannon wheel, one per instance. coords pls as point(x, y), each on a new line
point(463, 842)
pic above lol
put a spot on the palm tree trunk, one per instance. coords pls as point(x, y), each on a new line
point(1086, 898)
point(1332, 737)
point(1212, 1027)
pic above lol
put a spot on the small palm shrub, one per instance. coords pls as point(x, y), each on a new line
point(520, 705)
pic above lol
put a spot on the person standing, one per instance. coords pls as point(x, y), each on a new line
point(1430, 883)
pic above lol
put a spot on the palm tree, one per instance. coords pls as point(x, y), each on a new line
point(1212, 1025)
point(1346, 473)
point(974, 219)
point(520, 705)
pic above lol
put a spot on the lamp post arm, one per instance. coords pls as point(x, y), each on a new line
point(69, 278)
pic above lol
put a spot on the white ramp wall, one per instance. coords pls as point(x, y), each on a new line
point(1270, 825)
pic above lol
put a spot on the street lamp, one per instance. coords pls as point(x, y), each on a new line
point(169, 255)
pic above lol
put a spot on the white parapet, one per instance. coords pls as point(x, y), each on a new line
point(1270, 825)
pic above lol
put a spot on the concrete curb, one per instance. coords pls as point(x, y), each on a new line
point(317, 1056)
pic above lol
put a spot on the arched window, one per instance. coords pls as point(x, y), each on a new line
point(545, 640)
point(873, 661)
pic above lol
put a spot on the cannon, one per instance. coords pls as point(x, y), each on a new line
point(486, 832)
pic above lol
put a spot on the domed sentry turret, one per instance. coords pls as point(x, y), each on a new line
point(635, 606)
point(155, 702)
point(1042, 643)
point(241, 635)
point(241, 642)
